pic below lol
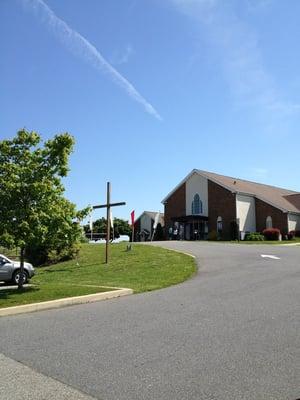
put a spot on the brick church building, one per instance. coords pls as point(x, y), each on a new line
point(205, 202)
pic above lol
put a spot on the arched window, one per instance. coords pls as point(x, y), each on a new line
point(269, 222)
point(197, 207)
point(219, 224)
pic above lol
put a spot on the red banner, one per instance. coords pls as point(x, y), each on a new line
point(132, 218)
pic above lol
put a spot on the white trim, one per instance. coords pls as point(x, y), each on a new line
point(178, 186)
point(196, 171)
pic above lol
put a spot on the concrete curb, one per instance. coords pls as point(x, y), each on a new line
point(290, 244)
point(176, 251)
point(68, 301)
point(181, 252)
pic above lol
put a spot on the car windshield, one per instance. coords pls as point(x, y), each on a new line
point(4, 259)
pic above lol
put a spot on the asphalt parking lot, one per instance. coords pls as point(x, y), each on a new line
point(231, 332)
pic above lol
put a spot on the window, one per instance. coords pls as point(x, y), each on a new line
point(219, 224)
point(197, 207)
point(269, 222)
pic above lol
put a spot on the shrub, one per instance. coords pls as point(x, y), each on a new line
point(271, 234)
point(43, 255)
point(293, 234)
point(254, 236)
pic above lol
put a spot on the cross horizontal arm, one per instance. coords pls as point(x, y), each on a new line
point(110, 205)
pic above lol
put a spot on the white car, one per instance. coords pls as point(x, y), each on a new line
point(10, 270)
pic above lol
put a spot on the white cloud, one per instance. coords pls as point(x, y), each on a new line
point(259, 172)
point(239, 52)
point(122, 57)
point(80, 46)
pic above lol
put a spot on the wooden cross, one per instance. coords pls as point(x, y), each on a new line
point(107, 206)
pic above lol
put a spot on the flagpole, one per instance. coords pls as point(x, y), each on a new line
point(153, 233)
point(132, 224)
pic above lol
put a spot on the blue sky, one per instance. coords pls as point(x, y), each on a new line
point(151, 89)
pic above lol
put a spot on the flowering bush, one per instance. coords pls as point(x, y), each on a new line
point(271, 234)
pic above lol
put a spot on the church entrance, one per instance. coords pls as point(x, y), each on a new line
point(196, 230)
point(191, 227)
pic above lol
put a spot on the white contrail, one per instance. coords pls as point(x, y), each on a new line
point(82, 47)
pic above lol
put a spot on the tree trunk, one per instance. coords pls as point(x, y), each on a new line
point(20, 283)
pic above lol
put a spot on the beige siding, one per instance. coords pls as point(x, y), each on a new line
point(294, 222)
point(145, 222)
point(197, 184)
point(245, 209)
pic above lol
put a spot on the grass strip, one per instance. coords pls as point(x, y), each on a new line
point(144, 268)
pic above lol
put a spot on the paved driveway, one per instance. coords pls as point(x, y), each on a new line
point(231, 332)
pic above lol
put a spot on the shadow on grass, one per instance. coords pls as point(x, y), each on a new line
point(70, 267)
point(6, 294)
point(56, 270)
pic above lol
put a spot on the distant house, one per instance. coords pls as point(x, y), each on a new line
point(143, 226)
point(205, 202)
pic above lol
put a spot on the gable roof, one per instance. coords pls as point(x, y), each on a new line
point(152, 215)
point(294, 199)
point(284, 199)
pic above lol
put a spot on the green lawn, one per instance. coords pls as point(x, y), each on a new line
point(44, 292)
point(143, 269)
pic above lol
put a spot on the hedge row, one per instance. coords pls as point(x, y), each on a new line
point(270, 234)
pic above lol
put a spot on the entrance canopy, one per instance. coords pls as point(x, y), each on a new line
point(192, 227)
point(189, 218)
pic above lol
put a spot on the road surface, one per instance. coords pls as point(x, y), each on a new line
point(231, 332)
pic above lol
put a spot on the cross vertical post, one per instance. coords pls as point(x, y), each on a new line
point(108, 205)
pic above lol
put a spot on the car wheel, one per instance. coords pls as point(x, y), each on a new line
point(17, 275)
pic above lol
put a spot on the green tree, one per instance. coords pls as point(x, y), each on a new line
point(34, 215)
point(99, 227)
point(121, 227)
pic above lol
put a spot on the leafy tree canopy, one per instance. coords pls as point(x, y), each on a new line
point(121, 227)
point(34, 214)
